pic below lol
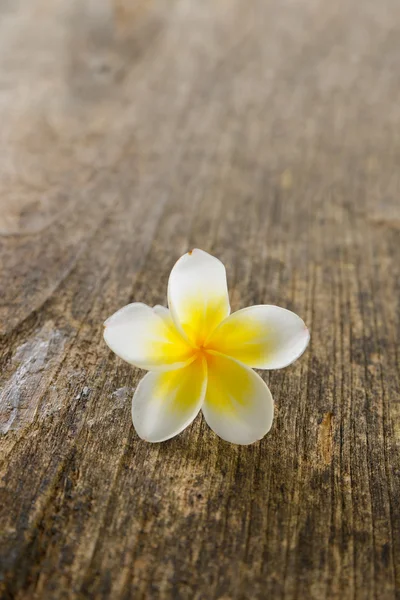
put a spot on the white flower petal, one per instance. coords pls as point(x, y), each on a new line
point(263, 337)
point(238, 404)
point(165, 403)
point(146, 338)
point(198, 294)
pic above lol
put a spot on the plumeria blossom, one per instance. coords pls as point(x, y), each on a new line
point(200, 357)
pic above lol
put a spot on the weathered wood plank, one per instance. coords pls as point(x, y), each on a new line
point(267, 134)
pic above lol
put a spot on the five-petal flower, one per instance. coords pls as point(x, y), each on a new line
point(200, 357)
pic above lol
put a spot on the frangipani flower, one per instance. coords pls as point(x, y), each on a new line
point(200, 357)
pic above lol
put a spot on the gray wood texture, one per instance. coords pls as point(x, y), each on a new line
point(266, 133)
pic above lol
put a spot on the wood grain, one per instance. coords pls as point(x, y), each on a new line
point(266, 133)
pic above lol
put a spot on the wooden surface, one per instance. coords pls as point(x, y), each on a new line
point(266, 133)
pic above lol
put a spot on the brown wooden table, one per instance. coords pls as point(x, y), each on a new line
point(267, 133)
